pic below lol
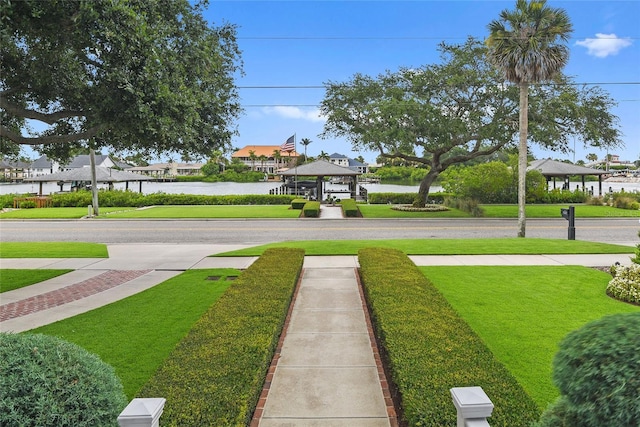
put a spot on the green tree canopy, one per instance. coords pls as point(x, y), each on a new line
point(459, 110)
point(133, 76)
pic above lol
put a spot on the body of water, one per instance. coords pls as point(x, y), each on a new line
point(227, 188)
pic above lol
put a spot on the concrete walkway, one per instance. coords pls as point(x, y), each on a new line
point(327, 371)
point(330, 212)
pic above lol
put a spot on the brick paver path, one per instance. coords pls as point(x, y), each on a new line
point(99, 283)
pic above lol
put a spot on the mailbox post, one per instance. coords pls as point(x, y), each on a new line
point(569, 215)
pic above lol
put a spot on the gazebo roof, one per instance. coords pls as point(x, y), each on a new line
point(319, 168)
point(550, 167)
point(103, 174)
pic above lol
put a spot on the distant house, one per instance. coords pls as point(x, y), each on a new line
point(270, 164)
point(344, 161)
point(14, 170)
point(168, 170)
point(44, 166)
point(84, 161)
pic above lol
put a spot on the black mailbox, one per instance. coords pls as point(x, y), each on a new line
point(569, 215)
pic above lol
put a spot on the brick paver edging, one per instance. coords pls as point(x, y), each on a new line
point(67, 294)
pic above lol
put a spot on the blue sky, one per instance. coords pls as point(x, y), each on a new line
point(308, 43)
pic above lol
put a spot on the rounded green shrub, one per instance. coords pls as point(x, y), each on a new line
point(596, 370)
point(27, 204)
point(625, 285)
point(46, 381)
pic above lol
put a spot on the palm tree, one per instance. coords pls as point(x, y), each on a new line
point(528, 45)
point(263, 158)
point(253, 158)
point(305, 142)
point(592, 157)
point(277, 156)
point(323, 155)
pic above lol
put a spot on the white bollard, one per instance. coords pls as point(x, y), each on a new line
point(142, 413)
point(473, 406)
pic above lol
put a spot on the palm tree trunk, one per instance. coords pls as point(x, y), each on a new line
point(522, 158)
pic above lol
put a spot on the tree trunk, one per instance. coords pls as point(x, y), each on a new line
point(425, 185)
point(522, 158)
point(94, 183)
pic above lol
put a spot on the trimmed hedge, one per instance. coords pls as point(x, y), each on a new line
point(46, 381)
point(350, 208)
point(403, 198)
point(429, 349)
point(215, 375)
point(298, 203)
point(311, 209)
point(119, 198)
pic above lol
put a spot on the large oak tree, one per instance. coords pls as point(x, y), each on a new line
point(129, 76)
point(458, 110)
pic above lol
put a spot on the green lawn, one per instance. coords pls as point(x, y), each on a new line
point(218, 211)
point(444, 247)
point(11, 279)
point(55, 213)
point(522, 313)
point(136, 334)
point(553, 211)
point(53, 250)
point(284, 211)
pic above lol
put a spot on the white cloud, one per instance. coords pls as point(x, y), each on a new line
point(604, 44)
point(312, 115)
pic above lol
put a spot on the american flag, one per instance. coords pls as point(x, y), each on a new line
point(289, 145)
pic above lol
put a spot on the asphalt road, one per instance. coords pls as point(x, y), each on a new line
point(245, 231)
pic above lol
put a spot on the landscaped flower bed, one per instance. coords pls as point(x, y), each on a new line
point(429, 349)
point(215, 374)
point(625, 284)
point(426, 208)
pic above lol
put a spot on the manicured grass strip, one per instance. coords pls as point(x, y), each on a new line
point(11, 278)
point(53, 250)
point(444, 247)
point(136, 334)
point(222, 211)
point(430, 348)
point(215, 375)
point(281, 211)
point(553, 211)
point(522, 313)
point(55, 213)
point(503, 211)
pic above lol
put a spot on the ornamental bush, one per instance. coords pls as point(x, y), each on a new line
point(596, 370)
point(349, 208)
point(429, 348)
point(46, 381)
point(119, 198)
point(311, 210)
point(625, 284)
point(215, 375)
point(298, 203)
